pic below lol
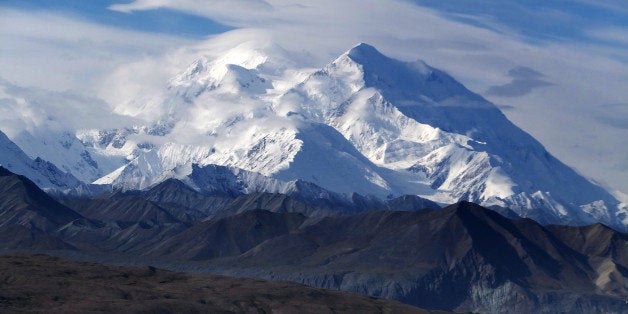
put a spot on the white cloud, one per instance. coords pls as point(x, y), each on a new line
point(233, 12)
point(59, 52)
point(34, 109)
point(612, 35)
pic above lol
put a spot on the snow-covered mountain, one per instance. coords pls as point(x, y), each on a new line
point(45, 174)
point(48, 125)
point(364, 123)
point(408, 116)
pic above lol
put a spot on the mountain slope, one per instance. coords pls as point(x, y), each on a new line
point(408, 116)
point(463, 258)
point(22, 202)
point(44, 174)
point(228, 236)
point(50, 125)
point(29, 217)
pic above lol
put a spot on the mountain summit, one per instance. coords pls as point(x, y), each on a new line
point(400, 80)
point(412, 118)
point(364, 123)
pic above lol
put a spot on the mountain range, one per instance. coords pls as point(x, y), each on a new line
point(363, 126)
point(463, 257)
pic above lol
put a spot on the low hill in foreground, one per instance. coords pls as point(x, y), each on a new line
point(44, 283)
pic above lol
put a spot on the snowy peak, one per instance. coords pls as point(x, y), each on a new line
point(239, 79)
point(410, 117)
point(250, 68)
point(230, 78)
point(366, 54)
point(403, 81)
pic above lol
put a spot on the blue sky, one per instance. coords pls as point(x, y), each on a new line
point(537, 19)
point(165, 21)
point(534, 19)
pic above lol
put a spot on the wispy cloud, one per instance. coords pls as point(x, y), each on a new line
point(614, 35)
point(524, 80)
point(30, 109)
point(55, 51)
point(237, 13)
